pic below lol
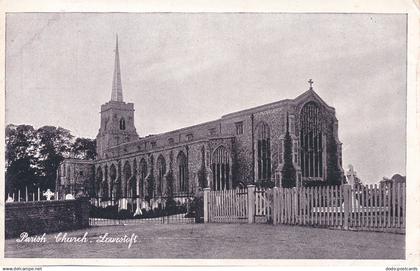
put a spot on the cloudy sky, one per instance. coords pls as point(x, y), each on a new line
point(183, 69)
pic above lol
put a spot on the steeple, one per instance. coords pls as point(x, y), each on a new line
point(116, 82)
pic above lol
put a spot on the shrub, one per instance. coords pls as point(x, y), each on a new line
point(125, 214)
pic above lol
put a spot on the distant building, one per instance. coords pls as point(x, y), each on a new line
point(292, 141)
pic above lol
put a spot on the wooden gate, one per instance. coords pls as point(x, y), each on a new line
point(263, 202)
point(228, 206)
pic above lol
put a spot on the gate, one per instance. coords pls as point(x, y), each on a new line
point(263, 202)
point(228, 206)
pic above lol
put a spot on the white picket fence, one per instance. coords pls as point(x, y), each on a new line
point(380, 208)
point(373, 207)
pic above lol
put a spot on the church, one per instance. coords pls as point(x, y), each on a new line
point(287, 143)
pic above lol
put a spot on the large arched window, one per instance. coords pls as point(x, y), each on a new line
point(182, 172)
point(143, 174)
point(221, 169)
point(114, 184)
point(105, 186)
point(311, 154)
point(98, 183)
point(161, 168)
point(263, 152)
point(127, 178)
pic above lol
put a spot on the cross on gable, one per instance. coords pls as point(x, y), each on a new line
point(310, 83)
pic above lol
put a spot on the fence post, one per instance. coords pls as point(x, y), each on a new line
point(274, 210)
point(251, 203)
point(206, 204)
point(346, 203)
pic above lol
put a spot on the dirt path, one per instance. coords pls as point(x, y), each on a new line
point(240, 241)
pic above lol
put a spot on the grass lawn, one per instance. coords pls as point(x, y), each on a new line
point(229, 241)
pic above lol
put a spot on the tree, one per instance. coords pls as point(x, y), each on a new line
point(20, 158)
point(20, 142)
point(357, 182)
point(21, 174)
point(334, 175)
point(33, 156)
point(84, 148)
point(54, 144)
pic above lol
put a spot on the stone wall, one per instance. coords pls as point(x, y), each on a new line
point(45, 216)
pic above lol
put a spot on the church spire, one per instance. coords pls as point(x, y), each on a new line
point(116, 82)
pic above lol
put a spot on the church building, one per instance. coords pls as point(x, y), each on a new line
point(287, 143)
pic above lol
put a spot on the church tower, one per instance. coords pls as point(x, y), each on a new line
point(117, 117)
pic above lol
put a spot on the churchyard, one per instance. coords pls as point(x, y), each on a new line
point(213, 240)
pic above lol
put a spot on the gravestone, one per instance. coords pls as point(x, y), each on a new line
point(69, 196)
point(48, 194)
point(351, 176)
point(351, 180)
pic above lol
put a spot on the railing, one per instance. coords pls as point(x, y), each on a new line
point(108, 211)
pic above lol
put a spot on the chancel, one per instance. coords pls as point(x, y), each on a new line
point(287, 143)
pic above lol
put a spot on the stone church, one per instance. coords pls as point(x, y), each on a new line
point(291, 142)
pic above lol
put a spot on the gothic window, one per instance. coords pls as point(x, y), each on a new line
point(98, 184)
point(127, 178)
point(161, 168)
point(190, 137)
point(143, 174)
point(239, 128)
point(122, 124)
point(105, 191)
point(221, 169)
point(68, 171)
point(115, 185)
point(263, 151)
point(153, 143)
point(295, 152)
point(311, 154)
point(170, 141)
point(182, 172)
